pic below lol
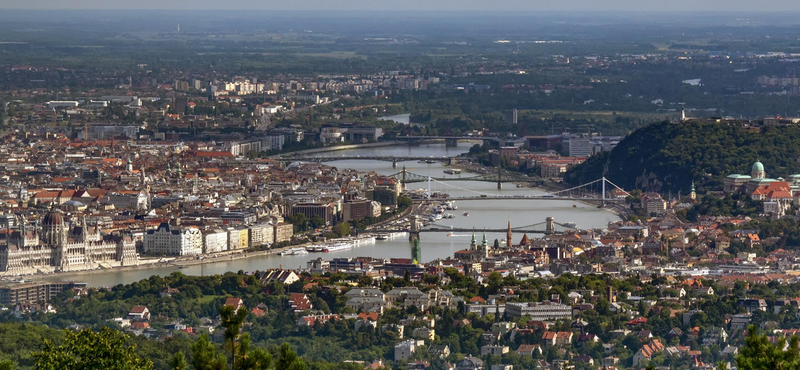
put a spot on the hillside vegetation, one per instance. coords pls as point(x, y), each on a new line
point(666, 157)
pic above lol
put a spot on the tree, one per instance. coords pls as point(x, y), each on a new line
point(759, 353)
point(86, 349)
point(288, 359)
point(205, 356)
point(242, 357)
point(232, 320)
point(178, 362)
point(343, 229)
point(7, 364)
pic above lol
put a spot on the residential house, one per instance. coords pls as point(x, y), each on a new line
point(647, 352)
point(469, 363)
point(494, 350)
point(139, 313)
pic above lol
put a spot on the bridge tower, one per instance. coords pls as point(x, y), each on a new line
point(413, 231)
point(450, 143)
point(403, 181)
point(499, 180)
point(603, 204)
point(550, 227)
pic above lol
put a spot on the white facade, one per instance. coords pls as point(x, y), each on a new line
point(176, 241)
point(215, 241)
point(404, 350)
point(261, 234)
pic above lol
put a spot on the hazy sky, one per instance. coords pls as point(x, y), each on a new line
point(501, 5)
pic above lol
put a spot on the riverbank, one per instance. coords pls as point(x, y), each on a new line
point(176, 262)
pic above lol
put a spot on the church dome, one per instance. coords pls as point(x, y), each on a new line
point(758, 167)
point(54, 217)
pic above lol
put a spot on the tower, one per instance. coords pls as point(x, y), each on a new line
point(473, 244)
point(484, 246)
point(508, 235)
point(129, 166)
point(692, 193)
point(84, 230)
point(54, 235)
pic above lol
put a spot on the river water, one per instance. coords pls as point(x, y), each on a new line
point(490, 214)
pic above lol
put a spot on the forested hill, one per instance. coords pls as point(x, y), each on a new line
point(666, 157)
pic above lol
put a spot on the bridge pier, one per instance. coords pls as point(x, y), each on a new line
point(499, 180)
point(450, 143)
point(394, 163)
point(413, 231)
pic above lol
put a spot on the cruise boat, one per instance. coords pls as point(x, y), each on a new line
point(336, 247)
point(294, 252)
point(452, 171)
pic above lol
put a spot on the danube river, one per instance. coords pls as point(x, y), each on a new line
point(490, 214)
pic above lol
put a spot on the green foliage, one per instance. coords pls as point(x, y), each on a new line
point(342, 229)
point(179, 362)
point(86, 349)
point(667, 157)
point(759, 353)
point(205, 356)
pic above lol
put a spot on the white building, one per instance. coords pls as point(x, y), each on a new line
point(215, 240)
point(545, 311)
point(171, 240)
point(261, 234)
point(405, 349)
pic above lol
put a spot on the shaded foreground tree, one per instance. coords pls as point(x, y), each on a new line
point(759, 353)
point(107, 349)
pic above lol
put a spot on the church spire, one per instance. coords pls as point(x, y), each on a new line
point(484, 242)
point(473, 243)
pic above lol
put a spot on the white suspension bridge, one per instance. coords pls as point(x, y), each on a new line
point(601, 190)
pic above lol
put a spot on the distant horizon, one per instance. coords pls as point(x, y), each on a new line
point(743, 6)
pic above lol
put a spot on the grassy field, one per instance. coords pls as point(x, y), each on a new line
point(207, 298)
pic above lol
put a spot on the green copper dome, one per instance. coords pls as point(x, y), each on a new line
point(758, 166)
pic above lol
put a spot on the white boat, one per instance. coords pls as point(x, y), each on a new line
point(336, 247)
point(294, 252)
point(314, 248)
point(452, 171)
point(449, 215)
point(466, 214)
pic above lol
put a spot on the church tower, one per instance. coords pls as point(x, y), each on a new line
point(692, 193)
